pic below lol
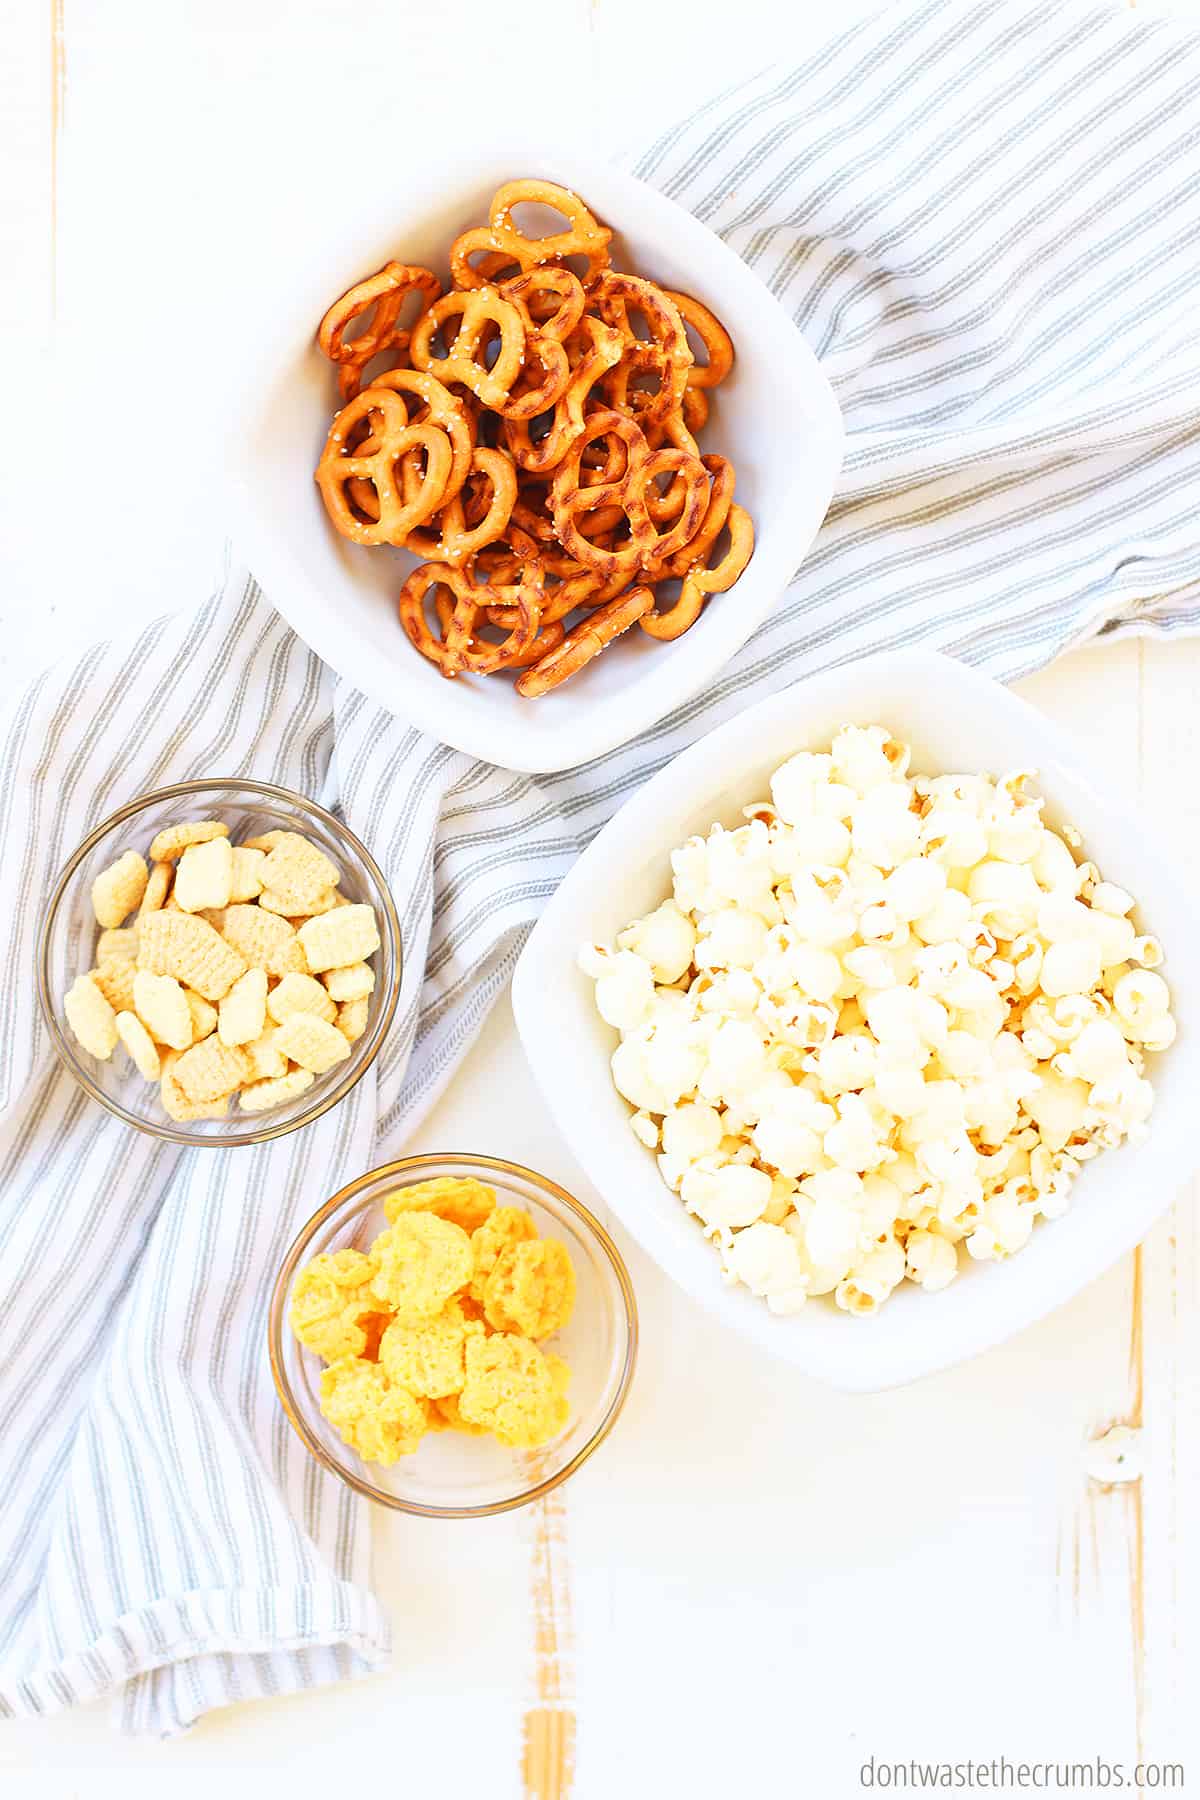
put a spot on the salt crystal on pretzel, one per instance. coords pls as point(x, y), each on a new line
point(90, 1017)
point(243, 1011)
point(179, 944)
point(311, 1042)
point(263, 940)
point(204, 877)
point(260, 1096)
point(346, 935)
point(140, 1045)
point(300, 993)
point(174, 840)
point(118, 889)
point(161, 1004)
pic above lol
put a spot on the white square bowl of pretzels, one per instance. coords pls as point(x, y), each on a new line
point(568, 452)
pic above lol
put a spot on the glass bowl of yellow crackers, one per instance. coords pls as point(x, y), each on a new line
point(453, 1335)
point(234, 1034)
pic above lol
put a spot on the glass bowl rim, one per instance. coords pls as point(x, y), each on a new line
point(174, 1134)
point(402, 1166)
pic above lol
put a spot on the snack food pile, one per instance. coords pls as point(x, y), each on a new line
point(438, 1326)
point(534, 439)
point(225, 968)
point(887, 1017)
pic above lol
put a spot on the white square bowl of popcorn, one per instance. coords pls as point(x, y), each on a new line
point(1071, 1188)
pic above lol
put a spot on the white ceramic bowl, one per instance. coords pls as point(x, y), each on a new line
point(956, 720)
point(775, 417)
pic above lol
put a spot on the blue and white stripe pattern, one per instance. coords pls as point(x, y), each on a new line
point(985, 218)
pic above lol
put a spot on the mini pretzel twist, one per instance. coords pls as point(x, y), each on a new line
point(475, 312)
point(454, 536)
point(692, 563)
point(717, 342)
point(571, 502)
point(666, 354)
point(584, 642)
point(385, 292)
point(377, 462)
point(460, 650)
point(584, 235)
point(598, 349)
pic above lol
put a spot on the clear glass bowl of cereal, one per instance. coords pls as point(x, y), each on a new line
point(441, 1470)
point(346, 1007)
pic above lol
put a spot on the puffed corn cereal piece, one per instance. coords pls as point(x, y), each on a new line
point(298, 874)
point(204, 876)
point(355, 982)
point(243, 1011)
point(161, 1004)
point(179, 944)
point(382, 1422)
point(158, 888)
point(114, 977)
point(423, 1261)
point(140, 1045)
point(300, 909)
point(263, 940)
point(175, 839)
point(210, 1071)
point(118, 890)
point(204, 1016)
point(260, 1096)
point(513, 1389)
point(91, 1017)
point(459, 1198)
point(265, 842)
point(309, 1041)
point(246, 880)
point(531, 1289)
point(176, 1104)
point(300, 994)
point(348, 934)
point(329, 1301)
point(116, 943)
point(504, 1228)
point(352, 1019)
point(428, 1359)
point(264, 1057)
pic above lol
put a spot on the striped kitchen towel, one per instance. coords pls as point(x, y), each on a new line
point(985, 219)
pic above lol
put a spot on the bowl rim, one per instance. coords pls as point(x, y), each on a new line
point(401, 1167)
point(176, 1134)
point(310, 607)
point(1035, 1288)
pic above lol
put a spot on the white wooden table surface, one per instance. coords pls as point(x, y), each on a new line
point(757, 1585)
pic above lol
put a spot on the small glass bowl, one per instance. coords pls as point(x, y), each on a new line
point(68, 934)
point(453, 1475)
